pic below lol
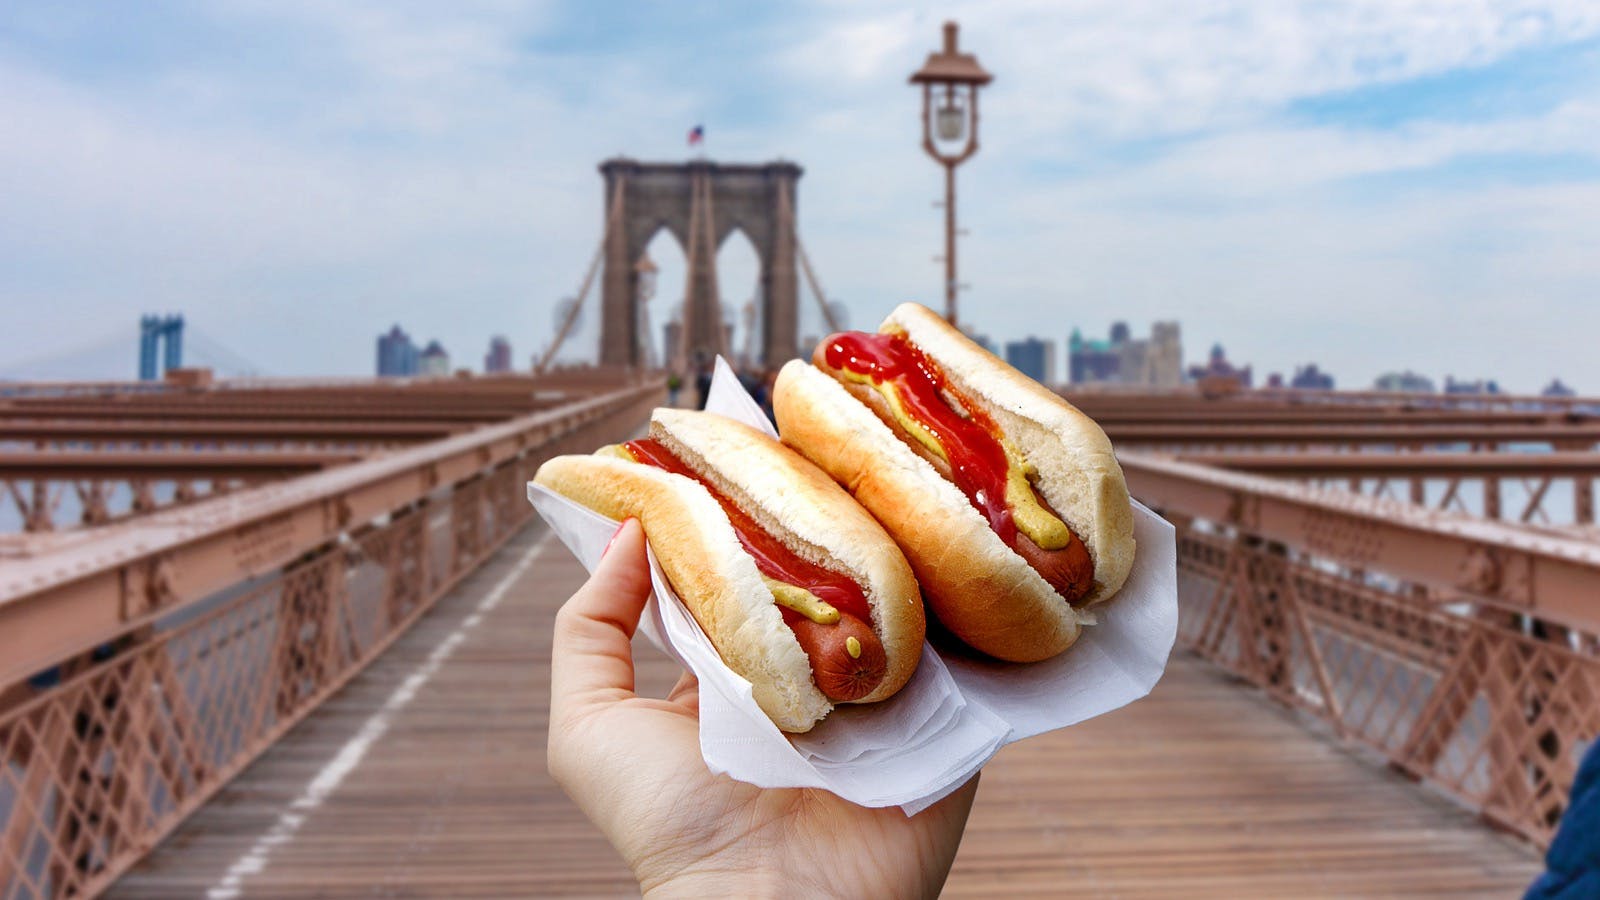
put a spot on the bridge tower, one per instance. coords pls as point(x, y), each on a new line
point(159, 337)
point(700, 202)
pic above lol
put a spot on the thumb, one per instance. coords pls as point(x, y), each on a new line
point(591, 654)
point(623, 572)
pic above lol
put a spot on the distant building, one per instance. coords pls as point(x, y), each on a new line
point(397, 355)
point(1408, 382)
point(1218, 368)
point(1090, 361)
point(1311, 378)
point(1156, 361)
point(433, 361)
point(498, 359)
point(982, 340)
point(671, 337)
point(1275, 380)
point(1034, 358)
point(160, 345)
point(1481, 386)
point(1557, 389)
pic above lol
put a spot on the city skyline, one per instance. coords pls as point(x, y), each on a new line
point(1375, 188)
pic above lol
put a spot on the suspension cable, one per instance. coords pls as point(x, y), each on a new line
point(786, 210)
point(613, 218)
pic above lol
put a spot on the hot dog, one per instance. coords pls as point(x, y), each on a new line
point(798, 588)
point(1008, 502)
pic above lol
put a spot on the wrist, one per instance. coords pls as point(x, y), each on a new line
point(701, 883)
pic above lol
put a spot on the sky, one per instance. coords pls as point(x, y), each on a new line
point(1370, 185)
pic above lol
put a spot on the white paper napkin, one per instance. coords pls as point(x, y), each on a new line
point(957, 711)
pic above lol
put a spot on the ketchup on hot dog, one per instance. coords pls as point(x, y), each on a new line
point(975, 455)
point(971, 445)
point(847, 659)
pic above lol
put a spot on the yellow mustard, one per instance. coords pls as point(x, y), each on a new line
point(1033, 520)
point(802, 601)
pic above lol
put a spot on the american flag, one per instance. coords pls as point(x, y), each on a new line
point(696, 135)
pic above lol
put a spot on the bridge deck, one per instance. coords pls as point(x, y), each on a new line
point(425, 777)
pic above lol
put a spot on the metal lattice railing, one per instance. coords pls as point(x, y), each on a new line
point(1470, 699)
point(116, 748)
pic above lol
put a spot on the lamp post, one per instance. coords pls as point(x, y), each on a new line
point(950, 81)
point(645, 272)
point(646, 269)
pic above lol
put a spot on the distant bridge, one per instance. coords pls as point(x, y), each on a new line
point(197, 576)
point(700, 203)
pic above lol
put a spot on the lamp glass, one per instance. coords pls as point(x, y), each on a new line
point(951, 120)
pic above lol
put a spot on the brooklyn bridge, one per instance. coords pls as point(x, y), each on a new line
point(291, 638)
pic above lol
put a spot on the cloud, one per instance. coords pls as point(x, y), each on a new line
point(297, 175)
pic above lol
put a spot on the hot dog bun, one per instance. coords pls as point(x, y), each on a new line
point(980, 588)
point(718, 581)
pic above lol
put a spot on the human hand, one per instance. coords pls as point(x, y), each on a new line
point(633, 765)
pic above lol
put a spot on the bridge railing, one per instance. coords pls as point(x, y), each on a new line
point(1463, 651)
point(134, 689)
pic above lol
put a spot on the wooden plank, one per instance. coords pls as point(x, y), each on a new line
point(1204, 789)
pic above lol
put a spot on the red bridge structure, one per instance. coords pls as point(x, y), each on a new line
point(291, 639)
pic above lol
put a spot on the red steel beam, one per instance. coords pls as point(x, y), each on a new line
point(1375, 397)
point(164, 464)
point(80, 590)
point(443, 410)
point(1403, 465)
point(1558, 434)
point(221, 429)
point(1556, 579)
point(1222, 414)
point(1305, 397)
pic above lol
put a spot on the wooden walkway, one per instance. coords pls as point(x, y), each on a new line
point(425, 777)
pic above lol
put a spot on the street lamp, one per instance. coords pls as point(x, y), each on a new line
point(951, 80)
point(646, 269)
point(645, 281)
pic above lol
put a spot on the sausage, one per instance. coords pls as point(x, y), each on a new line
point(840, 676)
point(1069, 570)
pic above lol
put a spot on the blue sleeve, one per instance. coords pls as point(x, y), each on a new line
point(1572, 867)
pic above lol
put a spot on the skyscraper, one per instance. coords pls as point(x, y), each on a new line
point(1309, 377)
point(397, 355)
point(163, 336)
point(498, 358)
point(1034, 358)
point(671, 340)
point(1155, 361)
point(1218, 368)
point(1407, 381)
point(434, 360)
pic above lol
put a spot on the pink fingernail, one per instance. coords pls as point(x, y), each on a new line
point(613, 540)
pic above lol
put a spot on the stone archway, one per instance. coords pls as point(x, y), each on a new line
point(700, 203)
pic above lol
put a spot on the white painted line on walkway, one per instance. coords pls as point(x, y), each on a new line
point(349, 756)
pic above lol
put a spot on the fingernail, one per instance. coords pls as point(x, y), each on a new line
point(623, 524)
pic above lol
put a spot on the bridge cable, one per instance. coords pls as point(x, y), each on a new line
point(678, 356)
point(708, 236)
point(786, 210)
point(702, 233)
point(613, 218)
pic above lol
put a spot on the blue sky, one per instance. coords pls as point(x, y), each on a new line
point(1368, 184)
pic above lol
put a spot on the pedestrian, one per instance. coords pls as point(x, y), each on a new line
point(702, 383)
